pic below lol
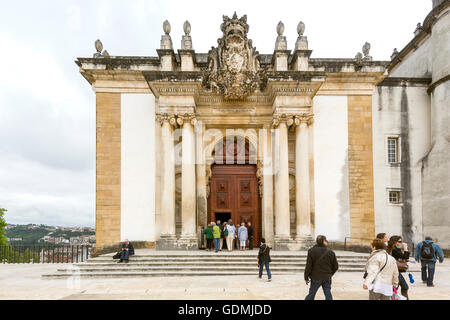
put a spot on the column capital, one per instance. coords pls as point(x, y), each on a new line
point(187, 117)
point(307, 119)
point(166, 117)
point(279, 118)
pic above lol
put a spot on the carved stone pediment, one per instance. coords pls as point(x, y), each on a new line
point(233, 67)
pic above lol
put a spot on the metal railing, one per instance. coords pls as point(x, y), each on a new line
point(44, 254)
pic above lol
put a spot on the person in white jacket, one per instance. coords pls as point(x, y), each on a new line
point(381, 272)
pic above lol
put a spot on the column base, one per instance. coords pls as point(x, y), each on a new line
point(167, 242)
point(305, 242)
point(283, 243)
point(189, 242)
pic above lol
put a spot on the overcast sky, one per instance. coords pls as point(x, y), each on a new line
point(47, 109)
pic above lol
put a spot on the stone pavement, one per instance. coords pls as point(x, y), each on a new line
point(19, 281)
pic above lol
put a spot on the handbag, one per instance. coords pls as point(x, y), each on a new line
point(117, 255)
point(402, 265)
point(257, 258)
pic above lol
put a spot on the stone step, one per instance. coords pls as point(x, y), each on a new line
point(216, 259)
point(191, 268)
point(176, 273)
point(209, 264)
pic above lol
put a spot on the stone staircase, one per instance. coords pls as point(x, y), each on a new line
point(151, 263)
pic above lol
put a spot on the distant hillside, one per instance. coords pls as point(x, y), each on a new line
point(31, 234)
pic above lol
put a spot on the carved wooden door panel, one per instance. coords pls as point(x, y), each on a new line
point(234, 190)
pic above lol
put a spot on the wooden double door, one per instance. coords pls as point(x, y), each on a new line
point(234, 195)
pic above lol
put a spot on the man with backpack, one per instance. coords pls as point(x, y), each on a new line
point(427, 253)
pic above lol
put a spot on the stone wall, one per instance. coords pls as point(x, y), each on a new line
point(108, 179)
point(360, 168)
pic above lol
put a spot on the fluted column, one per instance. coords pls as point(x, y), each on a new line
point(302, 185)
point(167, 219)
point(188, 210)
point(282, 216)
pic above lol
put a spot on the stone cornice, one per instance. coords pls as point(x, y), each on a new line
point(404, 82)
point(427, 25)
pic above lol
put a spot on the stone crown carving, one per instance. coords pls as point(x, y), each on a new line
point(233, 67)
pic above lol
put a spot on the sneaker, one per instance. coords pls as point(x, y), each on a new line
point(269, 280)
point(431, 285)
point(120, 261)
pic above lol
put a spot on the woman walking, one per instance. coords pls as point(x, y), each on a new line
point(243, 236)
point(209, 237)
point(381, 273)
point(399, 250)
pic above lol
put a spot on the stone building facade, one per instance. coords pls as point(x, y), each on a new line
point(297, 145)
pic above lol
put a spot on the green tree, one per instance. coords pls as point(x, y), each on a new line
point(3, 224)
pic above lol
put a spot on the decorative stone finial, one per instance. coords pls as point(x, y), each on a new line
point(280, 28)
point(358, 56)
point(281, 43)
point(365, 50)
point(302, 41)
point(166, 41)
point(394, 53)
point(187, 28)
point(418, 29)
point(186, 40)
point(300, 28)
point(99, 48)
point(166, 27)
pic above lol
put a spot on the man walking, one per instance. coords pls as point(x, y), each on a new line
point(221, 235)
point(427, 253)
point(321, 265)
point(264, 260)
point(250, 235)
point(216, 235)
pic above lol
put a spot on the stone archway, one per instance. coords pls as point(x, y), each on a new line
point(233, 183)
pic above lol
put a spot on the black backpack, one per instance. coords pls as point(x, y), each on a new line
point(427, 251)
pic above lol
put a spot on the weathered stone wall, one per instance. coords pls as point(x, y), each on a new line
point(108, 178)
point(360, 168)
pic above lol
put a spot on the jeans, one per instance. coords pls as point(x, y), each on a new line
point(216, 243)
point(431, 266)
point(315, 285)
point(124, 255)
point(261, 265)
point(402, 282)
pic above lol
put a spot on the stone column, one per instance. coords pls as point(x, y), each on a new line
point(188, 238)
point(302, 179)
point(167, 239)
point(282, 216)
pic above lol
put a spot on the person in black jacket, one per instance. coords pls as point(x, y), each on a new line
point(321, 265)
point(264, 259)
point(127, 251)
point(250, 235)
point(399, 250)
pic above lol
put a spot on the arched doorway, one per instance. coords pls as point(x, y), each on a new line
point(234, 185)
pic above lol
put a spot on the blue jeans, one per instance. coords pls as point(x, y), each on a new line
point(216, 244)
point(315, 285)
point(431, 266)
point(124, 255)
point(261, 265)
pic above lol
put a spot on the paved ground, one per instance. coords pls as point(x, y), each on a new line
point(25, 282)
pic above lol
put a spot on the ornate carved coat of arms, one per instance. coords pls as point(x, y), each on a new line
point(233, 67)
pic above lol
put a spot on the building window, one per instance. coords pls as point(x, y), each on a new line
point(394, 197)
point(392, 150)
